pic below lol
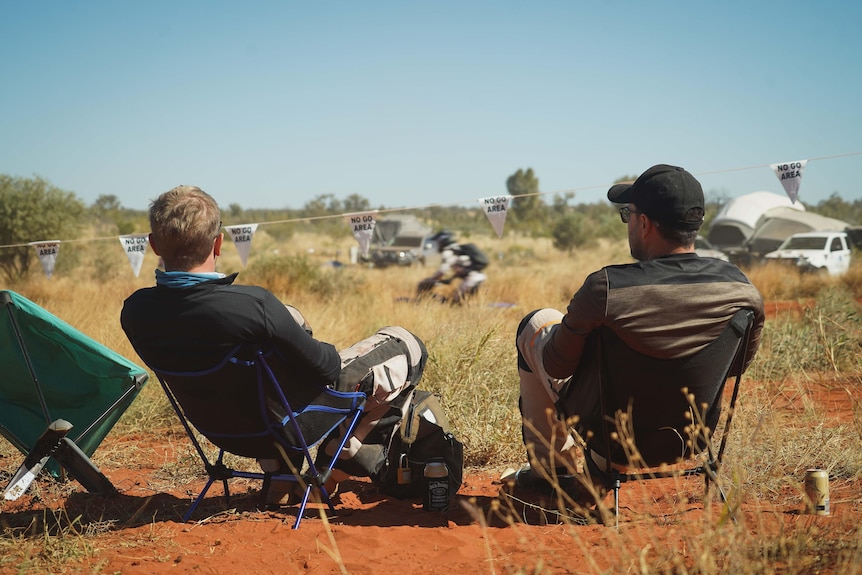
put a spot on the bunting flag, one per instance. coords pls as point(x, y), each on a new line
point(135, 246)
point(362, 225)
point(790, 176)
point(47, 252)
point(241, 236)
point(496, 208)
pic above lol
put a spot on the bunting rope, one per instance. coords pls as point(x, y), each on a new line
point(458, 203)
point(495, 207)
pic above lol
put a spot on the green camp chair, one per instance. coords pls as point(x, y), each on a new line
point(60, 394)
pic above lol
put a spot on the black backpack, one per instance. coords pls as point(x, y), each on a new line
point(478, 259)
point(425, 436)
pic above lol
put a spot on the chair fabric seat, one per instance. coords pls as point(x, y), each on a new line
point(51, 372)
point(241, 406)
point(654, 411)
point(663, 424)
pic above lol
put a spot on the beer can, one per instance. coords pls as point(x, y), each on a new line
point(817, 492)
point(436, 493)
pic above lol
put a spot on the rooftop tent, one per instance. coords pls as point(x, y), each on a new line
point(737, 220)
point(391, 226)
point(778, 224)
point(51, 372)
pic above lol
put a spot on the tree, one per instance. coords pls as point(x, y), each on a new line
point(106, 210)
point(110, 213)
point(572, 231)
point(33, 210)
point(356, 203)
point(528, 207)
point(835, 207)
point(235, 211)
point(322, 205)
point(107, 204)
point(560, 205)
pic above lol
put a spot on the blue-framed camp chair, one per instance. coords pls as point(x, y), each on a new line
point(239, 406)
point(652, 411)
point(60, 394)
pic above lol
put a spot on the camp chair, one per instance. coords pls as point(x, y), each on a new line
point(239, 406)
point(60, 394)
point(652, 410)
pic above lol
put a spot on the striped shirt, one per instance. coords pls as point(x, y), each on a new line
point(667, 307)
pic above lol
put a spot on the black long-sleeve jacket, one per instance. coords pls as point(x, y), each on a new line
point(192, 328)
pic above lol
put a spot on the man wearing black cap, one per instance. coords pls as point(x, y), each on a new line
point(670, 303)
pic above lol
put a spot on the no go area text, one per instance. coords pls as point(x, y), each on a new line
point(792, 170)
point(495, 205)
point(362, 223)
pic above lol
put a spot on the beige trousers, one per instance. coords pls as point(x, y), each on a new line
point(548, 441)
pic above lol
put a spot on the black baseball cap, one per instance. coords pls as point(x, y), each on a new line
point(665, 194)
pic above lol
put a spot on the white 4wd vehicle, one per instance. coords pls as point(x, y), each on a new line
point(816, 251)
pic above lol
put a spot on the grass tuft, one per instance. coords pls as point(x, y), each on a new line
point(778, 430)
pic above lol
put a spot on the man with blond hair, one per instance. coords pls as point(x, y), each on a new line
point(195, 315)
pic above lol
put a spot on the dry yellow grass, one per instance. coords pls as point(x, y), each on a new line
point(472, 366)
point(472, 356)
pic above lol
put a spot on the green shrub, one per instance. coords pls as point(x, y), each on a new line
point(292, 275)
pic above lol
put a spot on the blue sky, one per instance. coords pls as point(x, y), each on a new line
point(270, 104)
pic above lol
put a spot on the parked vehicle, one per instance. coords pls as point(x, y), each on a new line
point(826, 252)
point(404, 251)
point(704, 249)
point(400, 240)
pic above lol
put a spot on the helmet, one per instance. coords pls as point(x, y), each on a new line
point(443, 238)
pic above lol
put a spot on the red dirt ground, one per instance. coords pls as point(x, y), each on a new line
point(372, 534)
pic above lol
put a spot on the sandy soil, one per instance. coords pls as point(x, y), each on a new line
point(140, 530)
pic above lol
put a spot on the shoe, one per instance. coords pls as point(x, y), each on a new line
point(283, 494)
point(315, 496)
point(536, 500)
point(527, 482)
point(287, 493)
point(335, 479)
point(527, 479)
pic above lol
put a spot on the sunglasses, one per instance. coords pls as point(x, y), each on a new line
point(626, 214)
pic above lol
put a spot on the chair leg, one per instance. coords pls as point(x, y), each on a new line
point(267, 483)
point(301, 511)
point(226, 492)
point(314, 479)
point(198, 499)
point(610, 480)
point(707, 497)
point(709, 474)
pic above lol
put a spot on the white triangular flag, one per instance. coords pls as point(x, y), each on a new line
point(135, 246)
point(362, 225)
point(496, 208)
point(241, 236)
point(47, 252)
point(790, 176)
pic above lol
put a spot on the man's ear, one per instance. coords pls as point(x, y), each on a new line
point(217, 244)
point(153, 244)
point(647, 225)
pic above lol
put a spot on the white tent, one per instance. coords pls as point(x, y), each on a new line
point(778, 224)
point(737, 220)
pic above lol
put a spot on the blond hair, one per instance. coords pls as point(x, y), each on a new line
point(184, 222)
